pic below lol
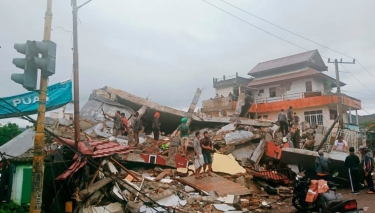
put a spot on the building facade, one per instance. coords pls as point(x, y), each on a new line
point(297, 80)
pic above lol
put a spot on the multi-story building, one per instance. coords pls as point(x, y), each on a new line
point(298, 81)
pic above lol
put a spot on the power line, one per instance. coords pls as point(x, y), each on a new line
point(359, 93)
point(300, 36)
point(285, 39)
point(255, 26)
point(356, 78)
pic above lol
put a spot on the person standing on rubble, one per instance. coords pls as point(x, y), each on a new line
point(290, 116)
point(281, 118)
point(125, 128)
point(207, 149)
point(322, 166)
point(198, 158)
point(117, 123)
point(156, 127)
point(136, 127)
point(296, 119)
point(367, 165)
point(183, 132)
point(340, 144)
point(352, 163)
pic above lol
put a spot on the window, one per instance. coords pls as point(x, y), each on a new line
point(261, 91)
point(272, 92)
point(308, 86)
point(314, 117)
point(332, 114)
point(265, 116)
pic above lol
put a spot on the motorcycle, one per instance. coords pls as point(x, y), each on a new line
point(327, 202)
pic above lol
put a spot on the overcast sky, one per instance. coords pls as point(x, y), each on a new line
point(168, 48)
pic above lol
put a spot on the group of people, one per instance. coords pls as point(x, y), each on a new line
point(203, 149)
point(121, 125)
point(359, 170)
point(288, 120)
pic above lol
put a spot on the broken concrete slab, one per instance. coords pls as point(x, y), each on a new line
point(113, 207)
point(226, 164)
point(306, 158)
point(243, 151)
point(224, 207)
point(258, 153)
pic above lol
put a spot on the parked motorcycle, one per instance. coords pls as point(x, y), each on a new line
point(325, 203)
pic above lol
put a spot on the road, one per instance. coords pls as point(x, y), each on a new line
point(363, 199)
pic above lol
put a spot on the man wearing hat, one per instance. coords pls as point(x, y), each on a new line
point(352, 163)
point(367, 166)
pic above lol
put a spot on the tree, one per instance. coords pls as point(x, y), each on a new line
point(7, 132)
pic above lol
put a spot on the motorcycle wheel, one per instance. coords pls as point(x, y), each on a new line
point(298, 204)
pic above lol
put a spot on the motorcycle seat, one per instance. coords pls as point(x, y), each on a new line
point(328, 196)
point(329, 199)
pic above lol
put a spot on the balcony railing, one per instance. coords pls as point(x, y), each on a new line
point(292, 96)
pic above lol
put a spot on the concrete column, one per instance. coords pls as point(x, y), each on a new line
point(356, 117)
point(350, 115)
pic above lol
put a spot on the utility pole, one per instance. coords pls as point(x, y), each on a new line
point(339, 95)
point(77, 129)
point(38, 162)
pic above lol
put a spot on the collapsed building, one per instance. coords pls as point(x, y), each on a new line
point(252, 159)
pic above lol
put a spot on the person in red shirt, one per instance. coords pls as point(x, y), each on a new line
point(125, 130)
point(207, 148)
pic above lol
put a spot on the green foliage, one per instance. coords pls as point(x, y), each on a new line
point(7, 132)
point(12, 207)
point(369, 124)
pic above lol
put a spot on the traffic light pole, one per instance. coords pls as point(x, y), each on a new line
point(38, 161)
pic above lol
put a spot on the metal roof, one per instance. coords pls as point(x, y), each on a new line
point(19, 145)
point(289, 76)
point(285, 61)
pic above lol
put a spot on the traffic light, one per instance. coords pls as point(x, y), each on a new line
point(29, 78)
point(48, 61)
point(32, 62)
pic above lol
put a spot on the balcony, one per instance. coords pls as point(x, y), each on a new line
point(303, 100)
point(218, 104)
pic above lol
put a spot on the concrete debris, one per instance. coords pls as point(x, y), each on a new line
point(154, 176)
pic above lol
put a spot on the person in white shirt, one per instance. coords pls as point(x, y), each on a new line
point(340, 144)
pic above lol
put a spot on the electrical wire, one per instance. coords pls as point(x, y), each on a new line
point(356, 78)
point(300, 36)
point(255, 26)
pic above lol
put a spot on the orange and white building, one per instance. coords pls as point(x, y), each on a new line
point(298, 81)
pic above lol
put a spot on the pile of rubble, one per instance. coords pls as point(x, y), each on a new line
point(156, 178)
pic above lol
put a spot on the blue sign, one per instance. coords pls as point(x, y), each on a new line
point(58, 95)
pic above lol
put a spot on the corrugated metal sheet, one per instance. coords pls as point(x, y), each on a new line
point(20, 144)
point(219, 184)
point(282, 62)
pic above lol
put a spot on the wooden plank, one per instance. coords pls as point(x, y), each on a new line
point(94, 187)
point(162, 174)
point(219, 184)
point(125, 169)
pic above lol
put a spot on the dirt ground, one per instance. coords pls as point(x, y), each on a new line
point(363, 200)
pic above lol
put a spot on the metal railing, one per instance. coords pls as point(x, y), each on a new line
point(285, 97)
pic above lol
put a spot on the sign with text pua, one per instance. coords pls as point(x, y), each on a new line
point(58, 95)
